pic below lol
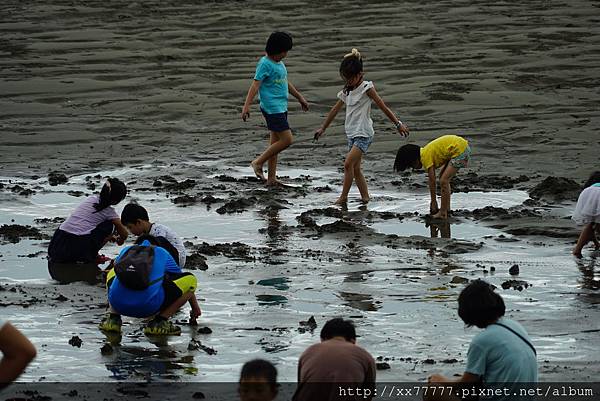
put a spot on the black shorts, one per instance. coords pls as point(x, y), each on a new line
point(175, 285)
point(276, 122)
point(71, 248)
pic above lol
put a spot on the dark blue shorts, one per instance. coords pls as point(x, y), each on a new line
point(276, 122)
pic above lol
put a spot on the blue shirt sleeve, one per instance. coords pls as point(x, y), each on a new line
point(476, 359)
point(170, 265)
point(262, 70)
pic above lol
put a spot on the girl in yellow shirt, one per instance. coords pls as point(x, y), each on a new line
point(451, 152)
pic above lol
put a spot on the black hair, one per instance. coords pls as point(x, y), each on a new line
point(406, 156)
point(479, 305)
point(278, 42)
point(160, 242)
point(132, 212)
point(351, 66)
point(594, 179)
point(338, 327)
point(113, 192)
point(260, 368)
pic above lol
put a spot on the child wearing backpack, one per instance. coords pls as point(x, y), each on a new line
point(136, 219)
point(146, 281)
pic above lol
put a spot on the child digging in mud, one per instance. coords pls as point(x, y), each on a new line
point(587, 213)
point(357, 95)
point(87, 230)
point(451, 152)
point(272, 84)
point(146, 281)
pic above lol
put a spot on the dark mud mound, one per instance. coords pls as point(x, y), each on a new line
point(518, 285)
point(13, 233)
point(234, 250)
point(196, 261)
point(237, 206)
point(55, 178)
point(473, 182)
point(557, 189)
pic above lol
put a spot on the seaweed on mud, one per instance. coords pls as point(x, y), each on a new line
point(13, 233)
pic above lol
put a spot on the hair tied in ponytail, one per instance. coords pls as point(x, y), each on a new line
point(354, 53)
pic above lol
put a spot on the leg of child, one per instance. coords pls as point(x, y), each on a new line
point(272, 173)
point(174, 307)
point(353, 157)
point(361, 183)
point(283, 141)
point(587, 235)
point(446, 176)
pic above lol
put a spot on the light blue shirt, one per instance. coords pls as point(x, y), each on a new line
point(273, 91)
point(596, 184)
point(499, 356)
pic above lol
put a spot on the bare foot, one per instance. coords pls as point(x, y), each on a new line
point(275, 183)
point(365, 200)
point(440, 216)
point(341, 201)
point(577, 253)
point(258, 171)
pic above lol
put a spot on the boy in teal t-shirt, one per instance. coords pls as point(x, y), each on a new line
point(272, 85)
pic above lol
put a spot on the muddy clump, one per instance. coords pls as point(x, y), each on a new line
point(13, 233)
point(518, 285)
point(55, 178)
point(473, 182)
point(234, 250)
point(237, 206)
point(185, 200)
point(556, 188)
point(196, 261)
point(340, 226)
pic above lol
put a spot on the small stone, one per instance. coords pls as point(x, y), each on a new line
point(204, 330)
point(383, 366)
point(106, 349)
point(514, 270)
point(75, 341)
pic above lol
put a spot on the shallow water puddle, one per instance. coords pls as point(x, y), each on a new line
point(400, 298)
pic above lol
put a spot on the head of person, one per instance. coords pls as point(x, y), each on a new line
point(408, 156)
point(340, 328)
point(113, 191)
point(135, 218)
point(278, 45)
point(351, 70)
point(479, 305)
point(594, 179)
point(258, 381)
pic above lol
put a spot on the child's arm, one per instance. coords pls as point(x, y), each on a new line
point(332, 113)
point(433, 206)
point(18, 352)
point(298, 96)
point(121, 230)
point(402, 129)
point(196, 312)
point(252, 91)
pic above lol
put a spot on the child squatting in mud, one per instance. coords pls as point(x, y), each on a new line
point(357, 95)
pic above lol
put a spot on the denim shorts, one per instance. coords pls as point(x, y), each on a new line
point(361, 142)
point(276, 122)
point(462, 160)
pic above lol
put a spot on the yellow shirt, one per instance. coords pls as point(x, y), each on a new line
point(439, 151)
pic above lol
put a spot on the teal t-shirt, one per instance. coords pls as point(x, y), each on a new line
point(273, 90)
point(499, 356)
point(596, 184)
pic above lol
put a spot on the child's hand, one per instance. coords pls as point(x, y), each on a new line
point(303, 103)
point(245, 113)
point(433, 207)
point(403, 130)
point(435, 378)
point(195, 313)
point(318, 133)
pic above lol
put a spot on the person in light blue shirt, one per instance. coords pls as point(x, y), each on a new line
point(273, 87)
point(500, 357)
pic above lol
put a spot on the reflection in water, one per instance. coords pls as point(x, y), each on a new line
point(266, 299)
point(131, 362)
point(439, 229)
point(361, 302)
point(279, 283)
point(589, 280)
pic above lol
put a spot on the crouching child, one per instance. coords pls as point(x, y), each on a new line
point(146, 281)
